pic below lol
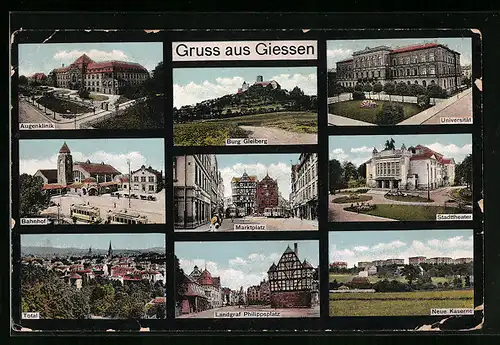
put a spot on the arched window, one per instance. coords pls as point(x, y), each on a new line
point(424, 83)
point(433, 82)
point(444, 83)
point(409, 82)
point(416, 82)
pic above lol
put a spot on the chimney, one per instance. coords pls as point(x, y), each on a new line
point(296, 248)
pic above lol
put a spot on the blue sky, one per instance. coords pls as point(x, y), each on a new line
point(42, 154)
point(358, 149)
point(45, 57)
point(354, 246)
point(240, 263)
point(193, 85)
point(95, 241)
point(277, 165)
point(342, 49)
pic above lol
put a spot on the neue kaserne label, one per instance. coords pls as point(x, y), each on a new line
point(452, 311)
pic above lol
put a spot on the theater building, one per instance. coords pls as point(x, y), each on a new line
point(110, 77)
point(292, 283)
point(196, 190)
point(78, 177)
point(409, 168)
point(244, 190)
point(304, 183)
point(266, 194)
point(423, 64)
point(146, 180)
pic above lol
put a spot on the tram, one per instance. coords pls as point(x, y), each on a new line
point(85, 213)
point(125, 217)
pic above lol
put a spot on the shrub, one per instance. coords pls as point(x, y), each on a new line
point(390, 286)
point(423, 101)
point(390, 114)
point(84, 93)
point(358, 95)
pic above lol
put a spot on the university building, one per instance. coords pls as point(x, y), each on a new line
point(78, 177)
point(292, 282)
point(304, 183)
point(110, 77)
point(198, 193)
point(409, 168)
point(422, 64)
point(266, 194)
point(244, 190)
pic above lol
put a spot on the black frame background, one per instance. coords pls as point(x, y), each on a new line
point(279, 325)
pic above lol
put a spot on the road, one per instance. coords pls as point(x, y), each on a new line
point(153, 210)
point(276, 136)
point(336, 212)
point(28, 114)
point(270, 224)
point(248, 312)
point(462, 107)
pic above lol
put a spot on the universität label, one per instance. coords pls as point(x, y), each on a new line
point(35, 126)
point(244, 50)
point(245, 141)
point(455, 120)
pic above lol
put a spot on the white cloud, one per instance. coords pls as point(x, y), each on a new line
point(334, 55)
point(237, 261)
point(451, 150)
point(117, 160)
point(256, 257)
point(454, 247)
point(279, 171)
point(338, 154)
point(363, 149)
point(193, 93)
point(98, 55)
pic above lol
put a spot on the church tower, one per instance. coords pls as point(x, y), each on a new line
point(64, 166)
point(110, 251)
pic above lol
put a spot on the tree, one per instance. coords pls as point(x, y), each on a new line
point(390, 114)
point(338, 90)
point(180, 285)
point(390, 144)
point(423, 101)
point(362, 171)
point(335, 173)
point(23, 80)
point(411, 273)
point(463, 172)
point(350, 172)
point(358, 87)
point(32, 198)
point(378, 88)
point(435, 91)
point(389, 88)
point(402, 90)
point(367, 88)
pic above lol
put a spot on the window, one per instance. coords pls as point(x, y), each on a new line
point(432, 69)
point(431, 56)
point(151, 179)
point(151, 188)
point(136, 178)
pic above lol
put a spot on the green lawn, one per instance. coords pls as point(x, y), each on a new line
point(352, 110)
point(98, 97)
point(346, 199)
point(398, 303)
point(409, 198)
point(215, 132)
point(410, 212)
point(63, 106)
point(459, 195)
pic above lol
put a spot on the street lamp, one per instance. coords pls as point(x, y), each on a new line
point(428, 187)
point(129, 181)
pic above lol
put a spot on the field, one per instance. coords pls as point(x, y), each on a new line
point(409, 198)
point(410, 212)
point(345, 278)
point(398, 303)
point(215, 132)
point(347, 199)
point(62, 106)
point(352, 110)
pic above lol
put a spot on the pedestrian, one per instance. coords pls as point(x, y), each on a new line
point(115, 204)
point(213, 221)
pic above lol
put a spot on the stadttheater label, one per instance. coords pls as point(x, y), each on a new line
point(244, 50)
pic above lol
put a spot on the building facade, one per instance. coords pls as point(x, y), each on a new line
point(338, 264)
point(409, 168)
point(78, 177)
point(196, 189)
point(110, 77)
point(422, 64)
point(266, 194)
point(304, 185)
point(244, 191)
point(292, 283)
point(202, 292)
point(146, 180)
point(467, 71)
point(259, 294)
